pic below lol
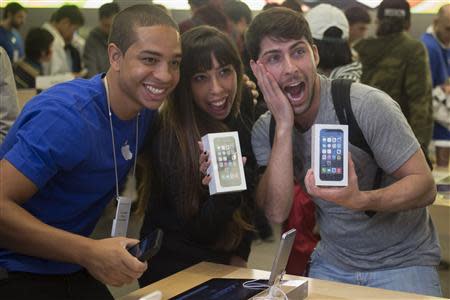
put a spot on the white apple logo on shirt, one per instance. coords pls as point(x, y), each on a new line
point(126, 153)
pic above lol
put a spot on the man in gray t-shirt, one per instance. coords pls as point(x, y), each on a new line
point(397, 248)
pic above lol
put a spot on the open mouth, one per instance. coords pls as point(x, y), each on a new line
point(218, 107)
point(295, 91)
point(219, 104)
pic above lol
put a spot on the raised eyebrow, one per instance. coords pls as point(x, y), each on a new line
point(268, 52)
point(293, 46)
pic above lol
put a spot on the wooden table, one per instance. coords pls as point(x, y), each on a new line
point(318, 289)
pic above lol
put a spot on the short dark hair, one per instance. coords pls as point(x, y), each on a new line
point(198, 3)
point(236, 10)
point(12, 8)
point(357, 14)
point(108, 10)
point(125, 22)
point(278, 23)
point(71, 12)
point(37, 41)
point(270, 5)
point(333, 53)
point(295, 5)
point(394, 16)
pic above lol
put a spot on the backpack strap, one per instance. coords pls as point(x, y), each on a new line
point(340, 92)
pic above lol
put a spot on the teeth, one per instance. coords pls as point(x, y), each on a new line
point(218, 104)
point(154, 90)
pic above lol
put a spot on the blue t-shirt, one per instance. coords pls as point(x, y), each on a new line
point(440, 72)
point(62, 142)
point(439, 59)
point(12, 42)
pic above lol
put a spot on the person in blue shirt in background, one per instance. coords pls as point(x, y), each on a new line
point(14, 17)
point(58, 168)
point(437, 41)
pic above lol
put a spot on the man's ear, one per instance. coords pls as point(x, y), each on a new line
point(115, 56)
point(315, 54)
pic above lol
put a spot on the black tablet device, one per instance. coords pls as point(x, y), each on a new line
point(226, 288)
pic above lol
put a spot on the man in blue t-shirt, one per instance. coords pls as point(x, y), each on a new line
point(66, 156)
point(13, 18)
point(437, 41)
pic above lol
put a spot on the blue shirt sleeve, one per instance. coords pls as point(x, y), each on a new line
point(48, 140)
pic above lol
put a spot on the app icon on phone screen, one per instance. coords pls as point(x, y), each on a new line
point(227, 161)
point(331, 154)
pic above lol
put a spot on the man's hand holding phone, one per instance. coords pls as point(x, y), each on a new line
point(349, 196)
point(148, 246)
point(109, 261)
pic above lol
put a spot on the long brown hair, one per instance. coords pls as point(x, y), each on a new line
point(182, 124)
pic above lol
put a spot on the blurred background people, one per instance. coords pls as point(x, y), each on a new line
point(240, 16)
point(397, 64)
point(38, 50)
point(14, 17)
point(194, 20)
point(95, 54)
point(330, 31)
point(63, 24)
point(8, 95)
point(295, 5)
point(437, 41)
point(359, 20)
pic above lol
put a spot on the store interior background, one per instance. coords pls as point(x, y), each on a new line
point(36, 16)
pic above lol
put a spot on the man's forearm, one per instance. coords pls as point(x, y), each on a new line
point(275, 189)
point(23, 233)
point(412, 191)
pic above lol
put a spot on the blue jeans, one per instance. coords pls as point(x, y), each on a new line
point(418, 279)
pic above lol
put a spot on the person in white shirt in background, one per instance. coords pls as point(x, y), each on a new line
point(63, 25)
point(330, 31)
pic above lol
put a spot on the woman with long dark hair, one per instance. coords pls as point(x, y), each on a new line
point(197, 227)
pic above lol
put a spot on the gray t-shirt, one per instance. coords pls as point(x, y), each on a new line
point(350, 239)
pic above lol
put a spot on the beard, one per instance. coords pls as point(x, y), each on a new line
point(15, 24)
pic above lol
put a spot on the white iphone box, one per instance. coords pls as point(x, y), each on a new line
point(329, 154)
point(226, 168)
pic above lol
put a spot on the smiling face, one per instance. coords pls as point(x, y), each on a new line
point(149, 70)
point(293, 63)
point(214, 90)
